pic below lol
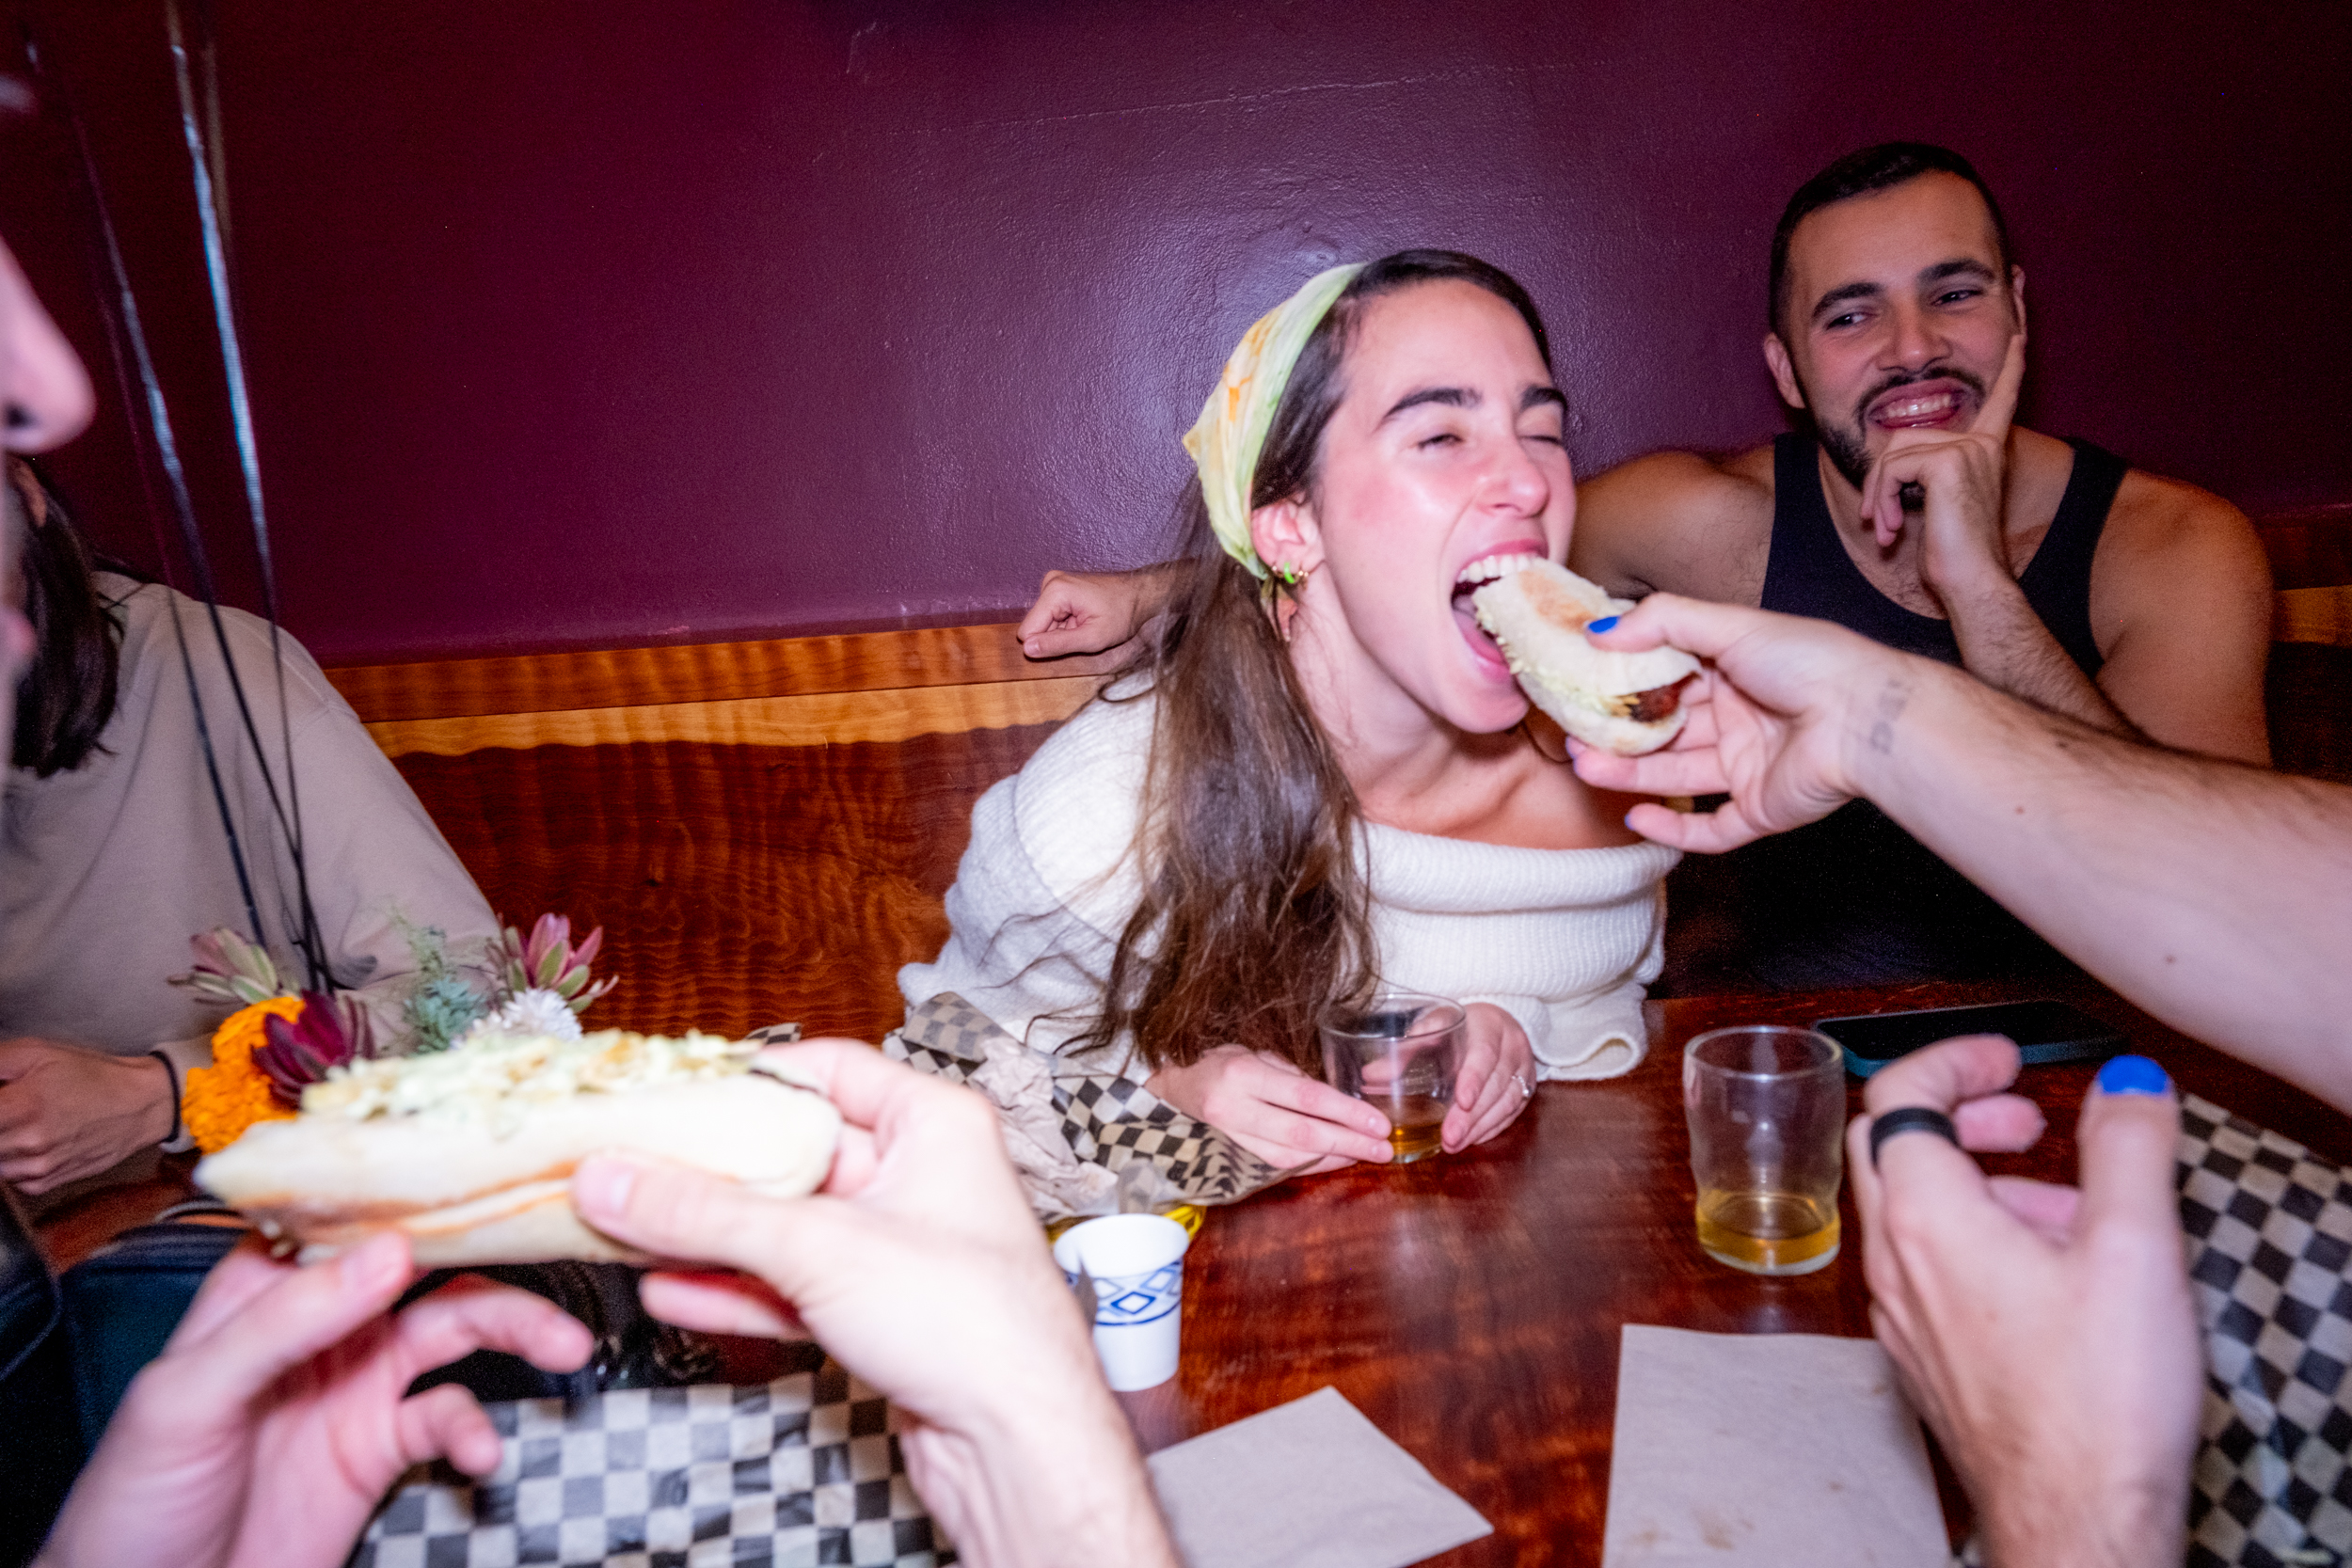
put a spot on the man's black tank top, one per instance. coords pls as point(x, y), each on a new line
point(1854, 899)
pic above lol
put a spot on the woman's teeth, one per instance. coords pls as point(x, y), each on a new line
point(1488, 568)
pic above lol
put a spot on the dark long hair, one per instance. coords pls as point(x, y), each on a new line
point(67, 692)
point(1255, 914)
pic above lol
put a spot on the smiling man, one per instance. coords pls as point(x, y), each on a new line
point(1913, 510)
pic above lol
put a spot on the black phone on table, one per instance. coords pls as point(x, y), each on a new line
point(2044, 1030)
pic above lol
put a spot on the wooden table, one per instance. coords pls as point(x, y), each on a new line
point(1470, 1304)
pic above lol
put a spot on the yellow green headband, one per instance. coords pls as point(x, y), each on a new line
point(1226, 440)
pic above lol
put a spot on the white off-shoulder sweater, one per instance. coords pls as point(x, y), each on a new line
point(1563, 940)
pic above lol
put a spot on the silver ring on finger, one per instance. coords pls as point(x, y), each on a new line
point(1525, 1092)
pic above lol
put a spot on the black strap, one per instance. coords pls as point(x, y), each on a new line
point(1909, 1118)
point(127, 339)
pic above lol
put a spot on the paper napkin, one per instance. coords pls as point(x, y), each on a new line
point(1769, 1450)
point(1306, 1484)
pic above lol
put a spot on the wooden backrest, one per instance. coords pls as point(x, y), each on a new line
point(2310, 685)
point(765, 829)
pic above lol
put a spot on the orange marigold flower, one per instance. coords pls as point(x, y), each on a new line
point(224, 1099)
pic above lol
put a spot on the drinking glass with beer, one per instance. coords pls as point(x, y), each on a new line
point(1398, 1053)
point(1767, 1106)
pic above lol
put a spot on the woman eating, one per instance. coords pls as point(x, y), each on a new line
point(1318, 778)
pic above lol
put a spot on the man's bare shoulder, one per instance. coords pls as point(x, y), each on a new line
point(1682, 521)
point(2176, 560)
point(2163, 526)
point(2181, 606)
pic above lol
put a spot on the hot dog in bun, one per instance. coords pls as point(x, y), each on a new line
point(1536, 611)
point(470, 1150)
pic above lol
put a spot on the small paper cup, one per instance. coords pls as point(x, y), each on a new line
point(1137, 1262)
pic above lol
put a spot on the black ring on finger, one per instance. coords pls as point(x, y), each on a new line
point(1909, 1118)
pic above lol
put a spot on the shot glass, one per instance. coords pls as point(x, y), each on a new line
point(1137, 1262)
point(1767, 1104)
point(1398, 1053)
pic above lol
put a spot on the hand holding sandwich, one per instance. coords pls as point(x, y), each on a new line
point(277, 1416)
point(1781, 720)
point(920, 1268)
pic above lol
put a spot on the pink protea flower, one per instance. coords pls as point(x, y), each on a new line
point(548, 961)
point(328, 1033)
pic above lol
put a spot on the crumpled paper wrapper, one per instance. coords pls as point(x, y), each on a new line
point(1020, 1086)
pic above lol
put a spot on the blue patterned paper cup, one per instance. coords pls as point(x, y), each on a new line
point(1137, 1262)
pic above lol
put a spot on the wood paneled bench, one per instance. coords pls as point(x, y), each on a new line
point(765, 829)
point(2310, 655)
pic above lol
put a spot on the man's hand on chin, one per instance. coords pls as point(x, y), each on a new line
point(1958, 481)
point(67, 1112)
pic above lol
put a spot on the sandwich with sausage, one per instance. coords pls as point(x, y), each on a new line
point(470, 1150)
point(1536, 611)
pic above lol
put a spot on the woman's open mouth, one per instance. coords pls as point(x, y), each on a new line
point(1467, 582)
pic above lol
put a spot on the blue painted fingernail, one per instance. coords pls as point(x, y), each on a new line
point(2132, 1075)
point(1606, 623)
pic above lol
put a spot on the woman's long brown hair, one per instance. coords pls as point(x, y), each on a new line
point(1255, 915)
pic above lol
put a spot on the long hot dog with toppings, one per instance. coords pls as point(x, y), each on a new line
point(470, 1150)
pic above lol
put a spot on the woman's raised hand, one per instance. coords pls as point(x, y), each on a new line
point(1275, 1111)
point(1493, 1083)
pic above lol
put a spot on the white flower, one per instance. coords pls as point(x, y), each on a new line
point(537, 1011)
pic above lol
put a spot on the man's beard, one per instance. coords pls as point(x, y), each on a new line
point(1848, 444)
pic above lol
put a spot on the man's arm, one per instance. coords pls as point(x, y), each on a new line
point(2213, 894)
point(2181, 600)
point(1951, 487)
point(1678, 522)
point(2005, 644)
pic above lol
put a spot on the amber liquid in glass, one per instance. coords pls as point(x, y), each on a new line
point(1415, 1122)
point(1767, 1233)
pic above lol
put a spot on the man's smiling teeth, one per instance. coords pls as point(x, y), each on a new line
point(1491, 567)
point(1918, 408)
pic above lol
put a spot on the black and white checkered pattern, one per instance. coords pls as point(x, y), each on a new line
point(1108, 1120)
point(2269, 1229)
point(806, 1471)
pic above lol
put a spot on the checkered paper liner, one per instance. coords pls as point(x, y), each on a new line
point(803, 1470)
point(1108, 1120)
point(2269, 1229)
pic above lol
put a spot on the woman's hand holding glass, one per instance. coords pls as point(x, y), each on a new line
point(1495, 1079)
point(1275, 1111)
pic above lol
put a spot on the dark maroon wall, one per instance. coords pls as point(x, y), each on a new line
point(669, 318)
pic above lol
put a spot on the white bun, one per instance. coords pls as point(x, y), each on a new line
point(1537, 615)
point(466, 1194)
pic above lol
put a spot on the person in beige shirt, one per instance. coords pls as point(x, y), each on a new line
point(112, 854)
point(279, 1410)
